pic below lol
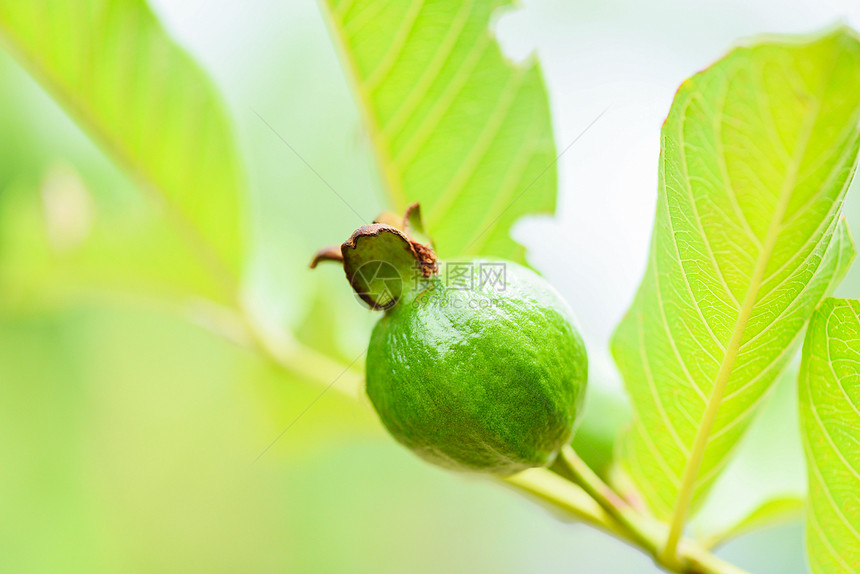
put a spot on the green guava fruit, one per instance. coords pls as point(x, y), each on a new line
point(488, 379)
point(486, 375)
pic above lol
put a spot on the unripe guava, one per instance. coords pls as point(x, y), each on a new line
point(489, 379)
point(485, 377)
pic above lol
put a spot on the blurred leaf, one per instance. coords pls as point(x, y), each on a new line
point(757, 153)
point(830, 424)
point(114, 69)
point(604, 416)
point(75, 225)
point(58, 245)
point(770, 513)
point(454, 125)
point(321, 327)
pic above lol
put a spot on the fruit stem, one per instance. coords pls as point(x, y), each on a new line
point(568, 497)
point(635, 527)
point(614, 505)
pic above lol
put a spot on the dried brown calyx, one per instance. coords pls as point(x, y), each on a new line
point(383, 260)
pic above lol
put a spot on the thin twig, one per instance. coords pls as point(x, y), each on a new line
point(614, 505)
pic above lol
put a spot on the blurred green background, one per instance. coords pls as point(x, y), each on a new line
point(129, 430)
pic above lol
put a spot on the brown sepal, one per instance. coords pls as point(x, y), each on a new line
point(330, 253)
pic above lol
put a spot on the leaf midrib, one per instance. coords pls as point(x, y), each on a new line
point(691, 471)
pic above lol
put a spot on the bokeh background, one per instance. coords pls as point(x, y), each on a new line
point(128, 430)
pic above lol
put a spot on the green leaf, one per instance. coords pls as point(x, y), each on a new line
point(830, 425)
point(453, 124)
point(766, 475)
point(59, 245)
point(770, 513)
point(605, 414)
point(115, 70)
point(757, 153)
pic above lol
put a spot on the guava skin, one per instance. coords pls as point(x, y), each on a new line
point(484, 380)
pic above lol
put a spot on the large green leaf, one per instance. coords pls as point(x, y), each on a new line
point(116, 71)
point(830, 424)
point(757, 153)
point(453, 124)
